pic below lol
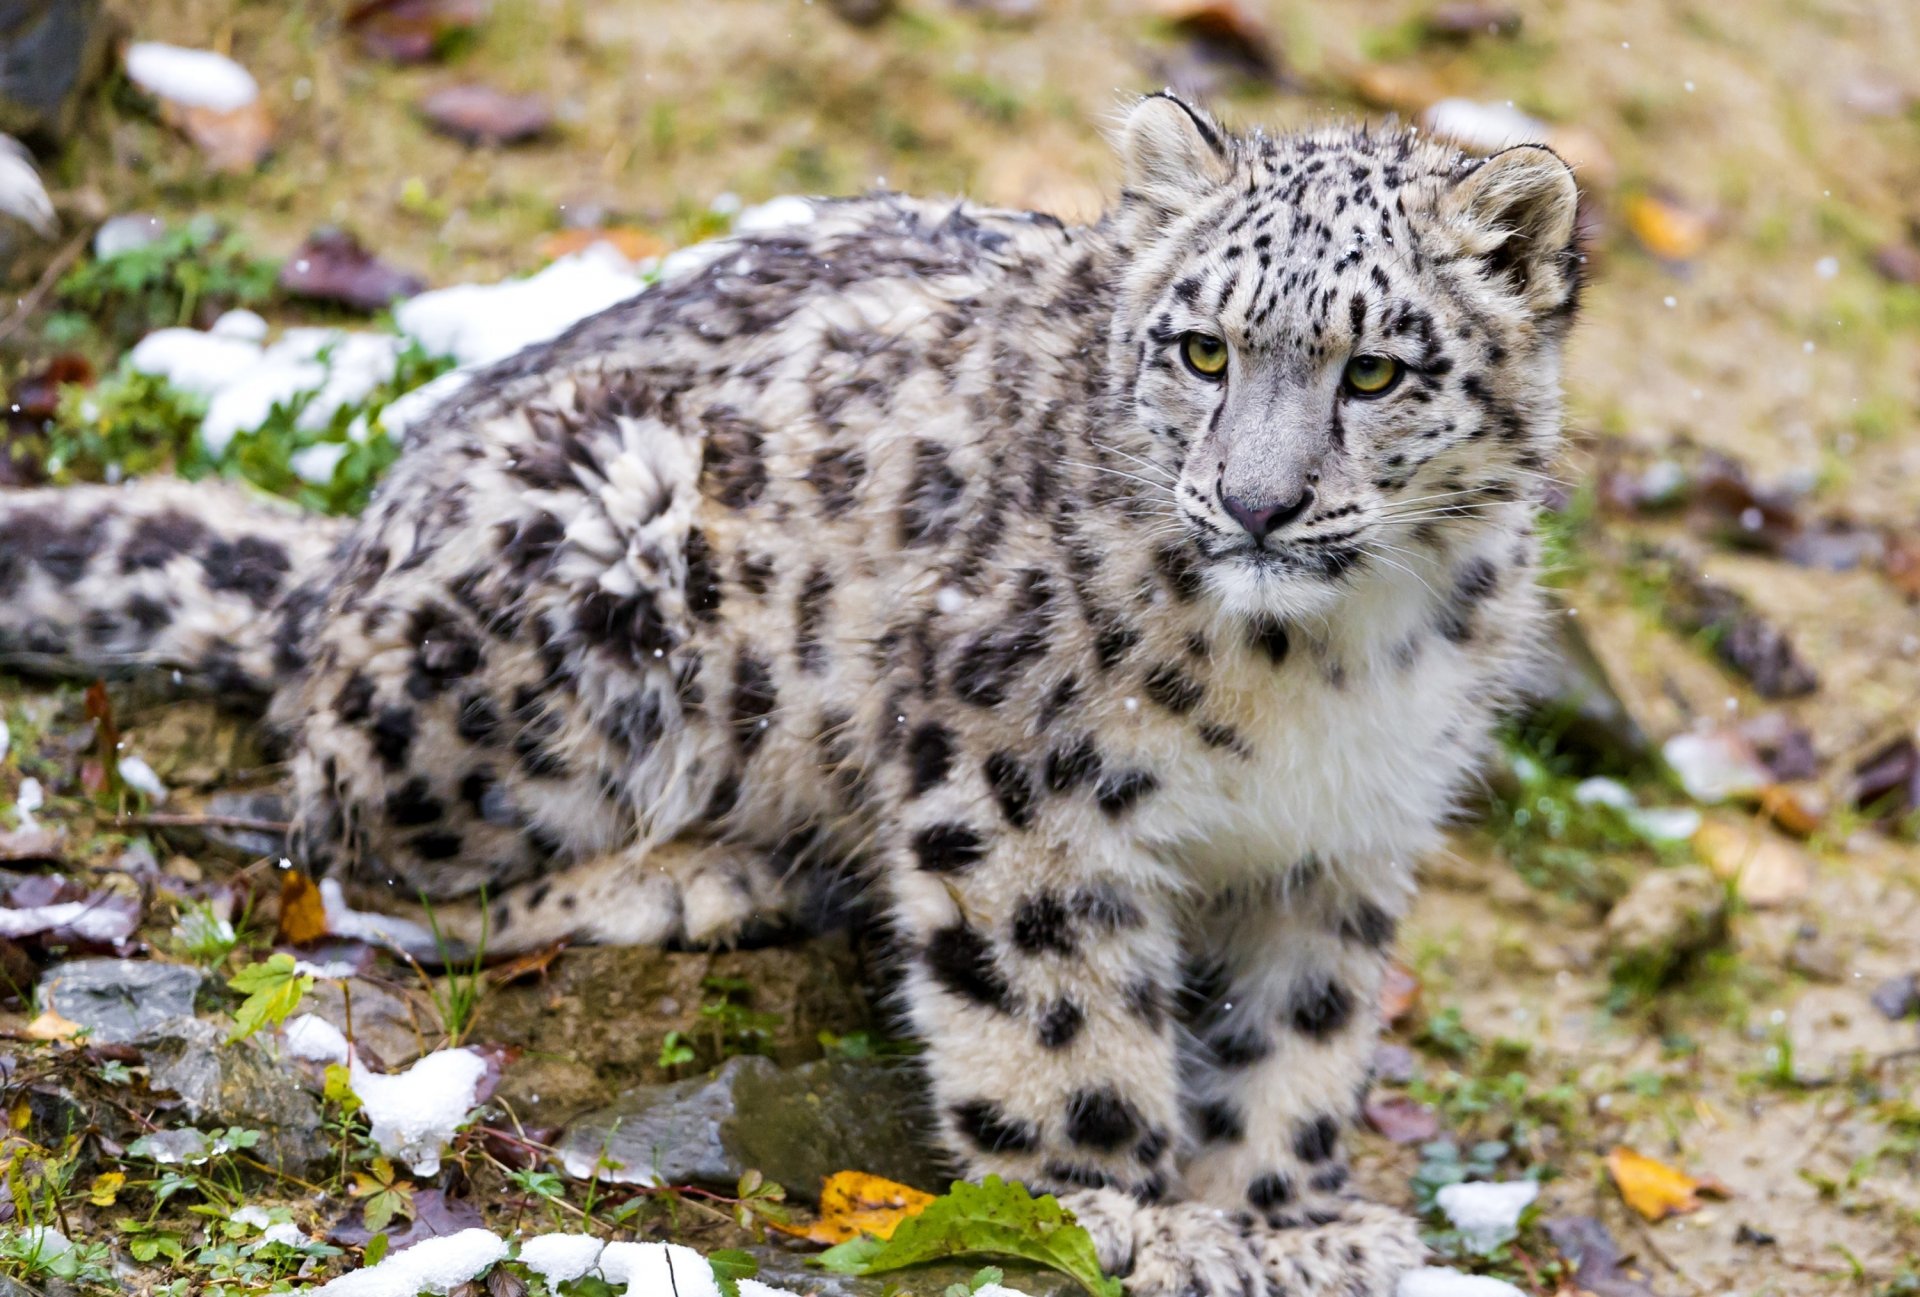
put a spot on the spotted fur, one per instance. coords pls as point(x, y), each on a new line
point(905, 538)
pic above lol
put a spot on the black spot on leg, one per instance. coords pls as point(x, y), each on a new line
point(1120, 792)
point(1060, 1024)
point(992, 1130)
point(1330, 1179)
point(436, 846)
point(1269, 1191)
point(1173, 689)
point(927, 511)
point(960, 960)
point(1041, 926)
point(1240, 1048)
point(1101, 1119)
point(1012, 788)
point(1219, 1122)
point(929, 757)
point(478, 721)
point(1319, 1007)
point(1368, 926)
point(413, 804)
point(1070, 766)
point(353, 702)
point(733, 469)
point(754, 699)
point(1314, 1141)
point(703, 593)
point(948, 848)
point(393, 731)
point(1079, 1177)
point(159, 537)
point(809, 612)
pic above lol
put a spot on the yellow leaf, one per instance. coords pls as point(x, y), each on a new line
point(22, 1114)
point(1654, 1189)
point(105, 1187)
point(853, 1203)
point(303, 915)
point(1666, 229)
point(51, 1026)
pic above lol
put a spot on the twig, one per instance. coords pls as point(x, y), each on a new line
point(241, 822)
point(42, 286)
point(1659, 1254)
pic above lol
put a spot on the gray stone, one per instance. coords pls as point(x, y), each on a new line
point(50, 51)
point(1898, 997)
point(795, 1125)
point(237, 1084)
point(1667, 915)
point(119, 1000)
point(390, 1028)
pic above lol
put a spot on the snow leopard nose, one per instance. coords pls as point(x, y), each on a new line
point(1265, 517)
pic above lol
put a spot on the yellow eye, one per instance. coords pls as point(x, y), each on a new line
point(1205, 355)
point(1372, 375)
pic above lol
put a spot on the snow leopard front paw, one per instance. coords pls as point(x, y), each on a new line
point(1185, 1249)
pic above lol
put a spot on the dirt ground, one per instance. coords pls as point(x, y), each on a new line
point(1786, 131)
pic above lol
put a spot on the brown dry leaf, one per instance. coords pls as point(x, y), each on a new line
point(1402, 1119)
point(51, 1026)
point(633, 244)
point(334, 266)
point(413, 31)
point(853, 1203)
point(234, 142)
point(532, 964)
point(1665, 228)
point(480, 114)
point(1901, 562)
point(1399, 993)
point(1227, 30)
point(1770, 871)
point(1798, 809)
point(303, 915)
point(1399, 89)
point(1656, 1190)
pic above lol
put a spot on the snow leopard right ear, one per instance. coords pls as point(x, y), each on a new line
point(1173, 152)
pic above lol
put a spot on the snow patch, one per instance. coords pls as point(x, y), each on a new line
point(190, 78)
point(27, 799)
point(1435, 1282)
point(1487, 1214)
point(315, 1040)
point(136, 774)
point(22, 194)
point(89, 920)
point(649, 1269)
point(375, 929)
point(560, 1258)
point(433, 1265)
point(1481, 127)
point(414, 1113)
point(247, 326)
point(478, 324)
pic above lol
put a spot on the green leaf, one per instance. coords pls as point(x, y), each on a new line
point(730, 1266)
point(994, 1218)
point(274, 989)
point(376, 1249)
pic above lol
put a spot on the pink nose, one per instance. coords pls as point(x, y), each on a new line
point(1263, 519)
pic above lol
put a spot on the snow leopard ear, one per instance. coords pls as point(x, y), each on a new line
point(1516, 212)
point(1172, 151)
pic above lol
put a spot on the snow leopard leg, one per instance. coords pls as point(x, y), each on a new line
point(685, 892)
point(1280, 998)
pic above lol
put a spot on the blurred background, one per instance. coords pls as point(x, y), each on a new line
point(1685, 920)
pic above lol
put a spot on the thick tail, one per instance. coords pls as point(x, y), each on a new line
point(201, 577)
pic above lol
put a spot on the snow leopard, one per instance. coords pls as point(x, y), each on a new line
point(1126, 607)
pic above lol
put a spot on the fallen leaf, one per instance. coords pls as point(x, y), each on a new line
point(1400, 1118)
point(480, 114)
point(1227, 32)
point(334, 266)
point(303, 915)
point(233, 142)
point(1901, 563)
point(1462, 21)
point(1399, 993)
point(105, 1188)
point(51, 1026)
point(413, 31)
point(1899, 263)
point(633, 244)
point(853, 1203)
point(1665, 227)
point(1796, 808)
point(1656, 1190)
point(532, 964)
point(434, 1214)
point(1887, 782)
point(1598, 1269)
point(1769, 871)
point(28, 846)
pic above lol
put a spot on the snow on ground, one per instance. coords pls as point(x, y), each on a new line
point(658, 1268)
point(190, 78)
point(415, 1113)
point(243, 378)
point(433, 1265)
point(1433, 1282)
point(22, 194)
point(399, 934)
point(1487, 1214)
point(561, 1258)
point(315, 1040)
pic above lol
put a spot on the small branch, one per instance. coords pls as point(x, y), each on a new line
point(241, 822)
point(42, 286)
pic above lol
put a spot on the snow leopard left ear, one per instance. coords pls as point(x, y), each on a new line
point(1518, 213)
point(1172, 151)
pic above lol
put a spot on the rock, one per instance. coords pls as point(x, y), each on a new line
point(1462, 21)
point(1834, 1031)
point(1599, 1270)
point(478, 114)
point(1572, 688)
point(1716, 765)
point(1898, 997)
point(862, 13)
point(50, 52)
point(129, 232)
point(594, 1023)
point(796, 1126)
point(390, 1028)
point(1666, 916)
point(237, 1084)
point(120, 1000)
point(1766, 869)
point(334, 266)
